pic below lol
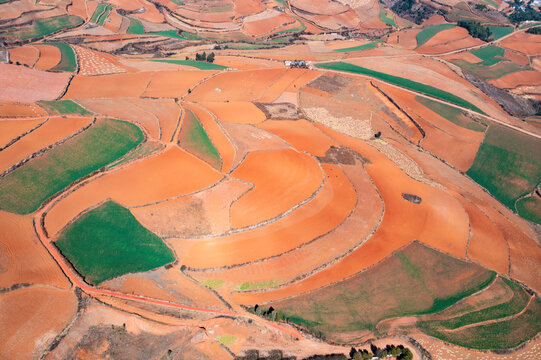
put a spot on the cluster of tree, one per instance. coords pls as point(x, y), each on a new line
point(412, 10)
point(400, 352)
point(476, 29)
point(525, 14)
point(270, 313)
point(272, 355)
point(203, 57)
point(534, 30)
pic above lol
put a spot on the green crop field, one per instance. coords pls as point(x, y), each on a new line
point(97, 12)
point(147, 148)
point(500, 31)
point(428, 32)
point(259, 285)
point(203, 65)
point(493, 72)
point(530, 208)
point(60, 107)
point(103, 16)
point(489, 54)
point(68, 60)
point(496, 335)
point(450, 113)
point(23, 190)
point(414, 280)
point(299, 28)
point(43, 27)
point(384, 17)
point(508, 164)
point(369, 45)
point(108, 241)
point(136, 28)
point(195, 140)
point(406, 83)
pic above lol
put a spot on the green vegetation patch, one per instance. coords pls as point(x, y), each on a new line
point(259, 285)
point(369, 45)
point(68, 59)
point(213, 283)
point(508, 164)
point(108, 241)
point(530, 208)
point(44, 27)
point(408, 84)
point(493, 72)
point(23, 190)
point(147, 148)
point(136, 28)
point(384, 17)
point(454, 115)
point(226, 340)
point(60, 107)
point(299, 28)
point(415, 280)
point(97, 12)
point(500, 31)
point(489, 54)
point(496, 335)
point(428, 32)
point(195, 139)
point(104, 15)
point(203, 65)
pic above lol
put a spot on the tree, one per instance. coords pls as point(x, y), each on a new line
point(187, 57)
point(198, 57)
point(204, 56)
point(210, 57)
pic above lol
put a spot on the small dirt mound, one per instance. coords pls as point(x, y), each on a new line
point(412, 198)
point(342, 155)
point(279, 111)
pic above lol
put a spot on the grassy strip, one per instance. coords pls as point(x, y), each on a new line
point(530, 208)
point(498, 335)
point(226, 340)
point(384, 17)
point(259, 285)
point(202, 65)
point(60, 107)
point(23, 190)
point(44, 27)
point(489, 54)
point(195, 140)
point(68, 59)
point(97, 12)
point(299, 28)
point(508, 164)
point(428, 32)
point(213, 283)
point(500, 31)
point(406, 83)
point(136, 28)
point(450, 113)
point(109, 241)
point(369, 45)
point(493, 72)
point(104, 15)
point(147, 148)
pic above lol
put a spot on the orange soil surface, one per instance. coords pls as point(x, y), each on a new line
point(300, 134)
point(303, 80)
point(49, 57)
point(148, 113)
point(247, 138)
point(465, 55)
point(174, 83)
point(438, 221)
point(242, 63)
point(78, 8)
point(94, 63)
point(317, 217)
point(23, 258)
point(113, 21)
point(247, 7)
point(236, 86)
point(10, 129)
point(407, 39)
point(21, 84)
point(150, 14)
point(240, 112)
point(288, 97)
point(220, 17)
point(29, 324)
point(523, 42)
point(487, 245)
point(26, 55)
point(266, 26)
point(519, 78)
point(171, 173)
point(11, 110)
point(287, 175)
point(55, 129)
point(216, 135)
point(323, 249)
point(106, 86)
point(449, 40)
point(190, 215)
point(276, 89)
point(516, 57)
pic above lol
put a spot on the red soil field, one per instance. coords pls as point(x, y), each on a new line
point(174, 84)
point(242, 63)
point(287, 175)
point(150, 14)
point(449, 40)
point(464, 55)
point(20, 84)
point(523, 42)
point(322, 250)
point(10, 129)
point(78, 7)
point(29, 325)
point(323, 7)
point(300, 134)
point(276, 89)
point(95, 63)
point(216, 135)
point(171, 173)
point(519, 78)
point(14, 110)
point(236, 86)
point(114, 21)
point(26, 55)
point(107, 86)
point(317, 217)
point(23, 258)
point(55, 129)
point(220, 17)
point(240, 112)
point(303, 80)
point(49, 57)
point(268, 25)
point(407, 39)
point(517, 58)
point(247, 7)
